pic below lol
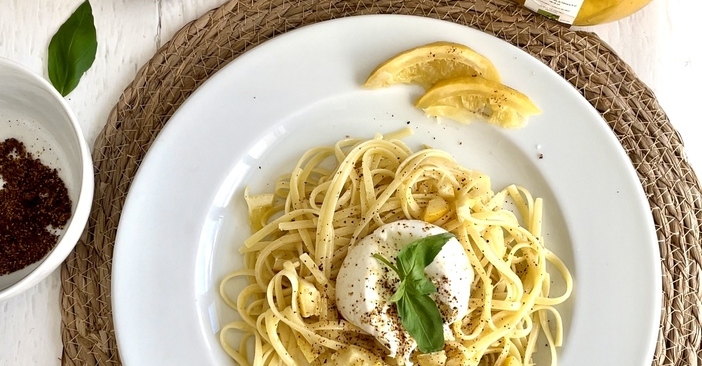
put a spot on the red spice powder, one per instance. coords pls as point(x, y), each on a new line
point(34, 204)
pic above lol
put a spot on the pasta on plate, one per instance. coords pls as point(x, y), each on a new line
point(337, 195)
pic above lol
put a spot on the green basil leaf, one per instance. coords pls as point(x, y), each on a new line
point(406, 264)
point(418, 312)
point(414, 257)
point(399, 293)
point(72, 49)
point(426, 249)
point(423, 286)
point(421, 318)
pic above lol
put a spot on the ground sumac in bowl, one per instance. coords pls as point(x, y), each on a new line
point(34, 206)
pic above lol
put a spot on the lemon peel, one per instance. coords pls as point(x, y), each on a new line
point(425, 65)
point(465, 99)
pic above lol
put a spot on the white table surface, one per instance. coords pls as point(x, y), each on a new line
point(661, 43)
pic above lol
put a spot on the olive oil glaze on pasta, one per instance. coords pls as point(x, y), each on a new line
point(337, 195)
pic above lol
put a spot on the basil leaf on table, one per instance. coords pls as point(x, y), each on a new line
point(72, 49)
point(419, 314)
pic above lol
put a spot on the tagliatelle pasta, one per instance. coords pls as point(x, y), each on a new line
point(336, 195)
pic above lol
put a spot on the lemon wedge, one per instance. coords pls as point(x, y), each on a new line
point(426, 65)
point(465, 99)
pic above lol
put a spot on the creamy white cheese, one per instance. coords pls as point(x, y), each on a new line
point(364, 285)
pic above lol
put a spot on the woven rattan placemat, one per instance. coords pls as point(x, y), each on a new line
point(205, 45)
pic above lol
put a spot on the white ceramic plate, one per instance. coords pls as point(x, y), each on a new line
point(185, 218)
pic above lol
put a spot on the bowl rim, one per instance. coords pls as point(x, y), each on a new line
point(83, 203)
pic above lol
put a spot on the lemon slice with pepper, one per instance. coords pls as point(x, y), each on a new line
point(428, 64)
point(465, 99)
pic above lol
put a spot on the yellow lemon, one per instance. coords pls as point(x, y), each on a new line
point(511, 361)
point(426, 65)
point(436, 208)
point(467, 98)
point(603, 11)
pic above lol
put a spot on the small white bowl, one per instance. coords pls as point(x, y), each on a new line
point(32, 111)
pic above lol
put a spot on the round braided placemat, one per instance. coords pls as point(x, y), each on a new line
point(205, 45)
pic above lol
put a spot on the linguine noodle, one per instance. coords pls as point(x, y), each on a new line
point(336, 195)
